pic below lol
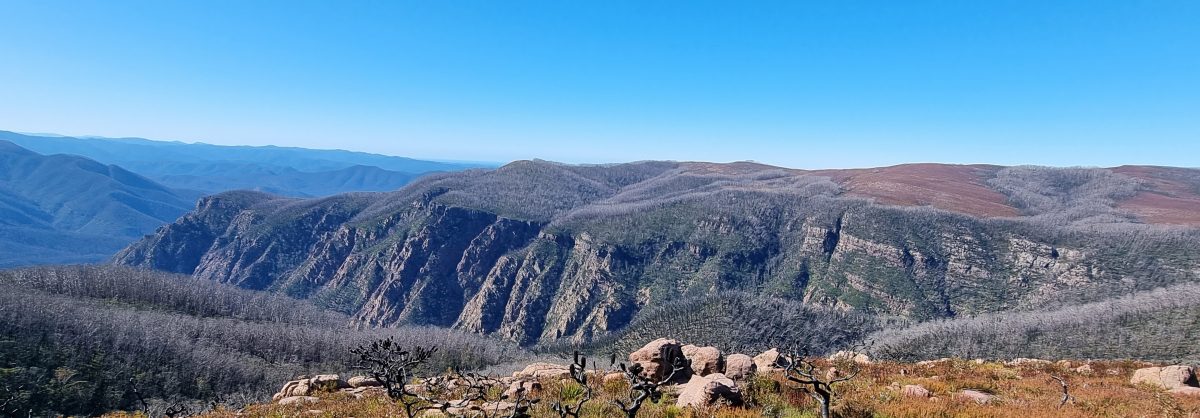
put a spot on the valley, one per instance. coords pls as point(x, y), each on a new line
point(501, 268)
point(538, 252)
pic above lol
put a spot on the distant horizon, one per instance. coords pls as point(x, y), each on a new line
point(502, 163)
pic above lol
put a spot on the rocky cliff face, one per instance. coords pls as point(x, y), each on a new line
point(537, 252)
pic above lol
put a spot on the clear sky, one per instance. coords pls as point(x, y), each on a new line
point(796, 83)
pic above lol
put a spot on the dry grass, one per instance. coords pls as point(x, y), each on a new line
point(1023, 392)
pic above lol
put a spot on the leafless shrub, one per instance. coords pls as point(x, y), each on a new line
point(578, 371)
point(815, 381)
point(1066, 394)
point(643, 387)
point(394, 367)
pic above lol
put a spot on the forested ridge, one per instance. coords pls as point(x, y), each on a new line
point(536, 252)
point(1156, 325)
point(85, 340)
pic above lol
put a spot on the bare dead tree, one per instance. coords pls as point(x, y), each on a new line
point(642, 387)
point(475, 389)
point(133, 387)
point(1066, 395)
point(394, 367)
point(579, 375)
point(799, 369)
point(476, 385)
point(522, 404)
point(178, 409)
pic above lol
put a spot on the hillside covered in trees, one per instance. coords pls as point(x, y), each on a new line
point(537, 252)
point(1159, 325)
point(86, 340)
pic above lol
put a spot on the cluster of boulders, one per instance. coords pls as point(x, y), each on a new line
point(303, 389)
point(713, 378)
point(703, 382)
point(1179, 380)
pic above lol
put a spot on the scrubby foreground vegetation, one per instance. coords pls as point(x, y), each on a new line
point(88, 340)
point(944, 388)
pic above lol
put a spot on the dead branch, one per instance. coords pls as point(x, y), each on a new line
point(1066, 395)
point(642, 387)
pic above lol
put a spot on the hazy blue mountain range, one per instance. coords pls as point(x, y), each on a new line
point(66, 209)
point(206, 169)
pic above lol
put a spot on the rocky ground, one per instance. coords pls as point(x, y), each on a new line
point(716, 384)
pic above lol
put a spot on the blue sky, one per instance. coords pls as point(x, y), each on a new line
point(795, 83)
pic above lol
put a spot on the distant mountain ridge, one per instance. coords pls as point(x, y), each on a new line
point(67, 209)
point(536, 252)
point(206, 168)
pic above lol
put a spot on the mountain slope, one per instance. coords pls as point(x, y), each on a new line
point(537, 251)
point(86, 336)
point(214, 168)
point(61, 208)
point(1160, 324)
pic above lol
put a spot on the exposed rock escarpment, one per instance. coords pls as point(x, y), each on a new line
point(536, 252)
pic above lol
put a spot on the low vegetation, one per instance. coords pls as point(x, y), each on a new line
point(878, 390)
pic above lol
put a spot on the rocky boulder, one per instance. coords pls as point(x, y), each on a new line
point(1028, 362)
point(978, 397)
point(705, 360)
point(654, 357)
point(1186, 391)
point(707, 391)
point(543, 370)
point(298, 400)
point(739, 366)
point(326, 383)
point(841, 356)
point(768, 361)
point(915, 391)
point(519, 387)
point(1169, 377)
point(363, 381)
point(310, 386)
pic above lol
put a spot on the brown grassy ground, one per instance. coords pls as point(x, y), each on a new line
point(956, 188)
point(1166, 197)
point(1024, 391)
